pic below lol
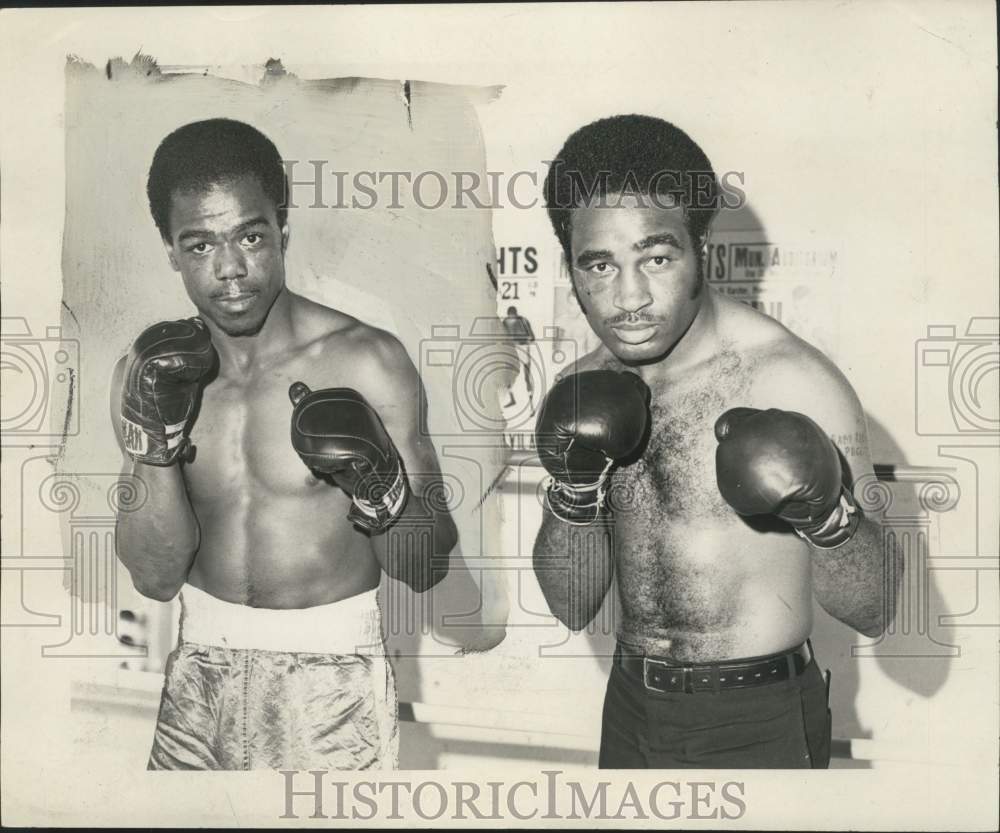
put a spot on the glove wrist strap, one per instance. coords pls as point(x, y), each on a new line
point(160, 447)
point(376, 517)
point(838, 528)
point(578, 504)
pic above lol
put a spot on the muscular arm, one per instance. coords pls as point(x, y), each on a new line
point(853, 583)
point(416, 547)
point(856, 583)
point(158, 539)
point(574, 566)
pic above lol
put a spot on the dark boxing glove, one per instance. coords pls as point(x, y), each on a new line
point(163, 374)
point(587, 422)
point(782, 463)
point(336, 432)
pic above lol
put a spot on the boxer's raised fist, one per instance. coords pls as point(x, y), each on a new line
point(336, 432)
point(164, 371)
point(588, 421)
point(782, 463)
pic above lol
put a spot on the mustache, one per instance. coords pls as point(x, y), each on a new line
point(235, 289)
point(631, 318)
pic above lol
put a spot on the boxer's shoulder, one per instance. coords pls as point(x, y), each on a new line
point(316, 325)
point(324, 332)
point(355, 354)
point(785, 371)
point(599, 359)
point(794, 375)
point(379, 356)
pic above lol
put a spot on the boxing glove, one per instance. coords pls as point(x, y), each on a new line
point(782, 463)
point(164, 370)
point(587, 422)
point(336, 432)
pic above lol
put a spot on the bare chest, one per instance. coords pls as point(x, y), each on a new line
point(243, 432)
point(675, 476)
point(243, 439)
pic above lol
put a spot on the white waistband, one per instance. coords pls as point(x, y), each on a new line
point(349, 626)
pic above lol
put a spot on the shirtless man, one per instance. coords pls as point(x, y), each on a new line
point(693, 505)
point(278, 526)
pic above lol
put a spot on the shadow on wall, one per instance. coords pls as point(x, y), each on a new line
point(426, 637)
point(908, 653)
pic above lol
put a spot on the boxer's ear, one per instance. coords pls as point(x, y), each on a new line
point(702, 245)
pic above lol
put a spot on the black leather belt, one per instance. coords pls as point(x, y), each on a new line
point(665, 675)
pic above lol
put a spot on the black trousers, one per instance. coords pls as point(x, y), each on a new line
point(783, 725)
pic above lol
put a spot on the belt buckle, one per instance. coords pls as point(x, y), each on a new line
point(656, 670)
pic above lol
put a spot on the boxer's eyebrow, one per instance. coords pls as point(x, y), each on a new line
point(588, 256)
point(665, 239)
point(256, 221)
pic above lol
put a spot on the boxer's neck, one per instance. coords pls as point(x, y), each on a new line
point(240, 355)
point(699, 343)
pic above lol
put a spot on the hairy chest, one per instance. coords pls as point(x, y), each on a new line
point(675, 476)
